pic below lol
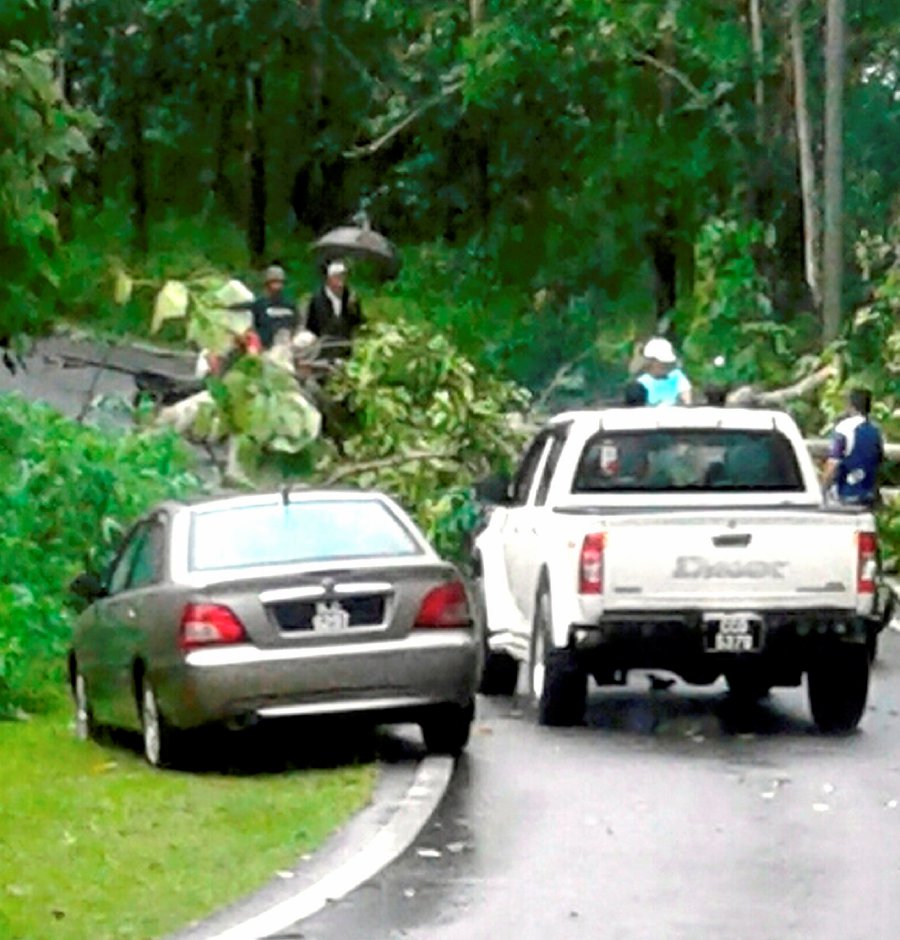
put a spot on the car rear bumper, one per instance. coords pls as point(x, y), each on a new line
point(394, 678)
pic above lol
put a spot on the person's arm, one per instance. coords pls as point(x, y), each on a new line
point(833, 461)
point(684, 389)
point(312, 316)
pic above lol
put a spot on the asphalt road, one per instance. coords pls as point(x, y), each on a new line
point(669, 815)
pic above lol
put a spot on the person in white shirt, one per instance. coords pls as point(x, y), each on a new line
point(334, 311)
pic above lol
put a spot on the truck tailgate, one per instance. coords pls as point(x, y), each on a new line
point(800, 559)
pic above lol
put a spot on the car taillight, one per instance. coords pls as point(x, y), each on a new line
point(209, 625)
point(590, 567)
point(867, 562)
point(445, 606)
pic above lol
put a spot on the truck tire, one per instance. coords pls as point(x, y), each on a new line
point(558, 684)
point(872, 645)
point(500, 675)
point(838, 687)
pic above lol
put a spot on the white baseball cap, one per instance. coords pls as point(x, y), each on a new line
point(336, 267)
point(660, 349)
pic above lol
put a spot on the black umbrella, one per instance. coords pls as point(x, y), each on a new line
point(361, 242)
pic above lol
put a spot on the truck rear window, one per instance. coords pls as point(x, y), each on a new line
point(659, 460)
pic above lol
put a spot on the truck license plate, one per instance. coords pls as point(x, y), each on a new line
point(732, 632)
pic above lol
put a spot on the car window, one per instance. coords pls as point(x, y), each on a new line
point(121, 569)
point(148, 557)
point(658, 460)
point(527, 468)
point(553, 452)
point(299, 531)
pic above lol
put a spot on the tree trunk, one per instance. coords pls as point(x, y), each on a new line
point(139, 177)
point(833, 260)
point(223, 191)
point(64, 79)
point(811, 233)
point(756, 38)
point(256, 165)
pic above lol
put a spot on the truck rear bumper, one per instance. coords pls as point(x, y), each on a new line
point(681, 641)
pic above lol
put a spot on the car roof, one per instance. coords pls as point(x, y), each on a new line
point(677, 418)
point(292, 494)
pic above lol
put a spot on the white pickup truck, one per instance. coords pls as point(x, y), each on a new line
point(692, 540)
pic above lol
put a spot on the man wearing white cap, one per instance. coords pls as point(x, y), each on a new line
point(334, 310)
point(665, 383)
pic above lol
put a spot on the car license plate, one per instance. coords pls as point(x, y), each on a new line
point(330, 618)
point(732, 632)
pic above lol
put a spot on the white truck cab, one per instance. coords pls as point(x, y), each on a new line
point(687, 539)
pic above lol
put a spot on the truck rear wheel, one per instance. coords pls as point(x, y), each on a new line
point(558, 683)
point(838, 687)
point(500, 675)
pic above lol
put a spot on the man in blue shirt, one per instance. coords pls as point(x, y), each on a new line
point(665, 383)
point(857, 450)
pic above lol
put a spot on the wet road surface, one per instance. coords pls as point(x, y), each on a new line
point(670, 815)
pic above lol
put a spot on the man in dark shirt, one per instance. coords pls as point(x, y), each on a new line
point(857, 450)
point(274, 313)
point(334, 311)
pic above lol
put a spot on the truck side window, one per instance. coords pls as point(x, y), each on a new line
point(556, 446)
point(527, 468)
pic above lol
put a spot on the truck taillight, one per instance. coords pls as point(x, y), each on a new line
point(590, 568)
point(209, 625)
point(445, 606)
point(867, 562)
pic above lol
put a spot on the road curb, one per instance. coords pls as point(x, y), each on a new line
point(376, 836)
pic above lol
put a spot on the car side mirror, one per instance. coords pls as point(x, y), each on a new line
point(88, 587)
point(494, 489)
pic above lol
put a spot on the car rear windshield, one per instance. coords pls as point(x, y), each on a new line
point(660, 460)
point(296, 532)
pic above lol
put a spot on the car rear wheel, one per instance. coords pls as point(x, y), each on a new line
point(838, 687)
point(446, 729)
point(85, 728)
point(160, 739)
point(558, 683)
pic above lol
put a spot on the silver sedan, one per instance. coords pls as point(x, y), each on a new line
point(311, 602)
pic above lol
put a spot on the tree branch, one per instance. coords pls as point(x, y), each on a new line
point(392, 461)
point(748, 395)
point(366, 150)
point(700, 99)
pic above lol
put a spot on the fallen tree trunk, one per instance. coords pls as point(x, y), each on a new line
point(819, 447)
point(747, 395)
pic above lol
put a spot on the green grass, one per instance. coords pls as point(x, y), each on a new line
point(94, 844)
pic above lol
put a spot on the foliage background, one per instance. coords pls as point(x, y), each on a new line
point(68, 491)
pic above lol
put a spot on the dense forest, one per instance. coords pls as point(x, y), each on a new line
point(554, 171)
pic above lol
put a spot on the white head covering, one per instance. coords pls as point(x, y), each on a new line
point(336, 267)
point(660, 349)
